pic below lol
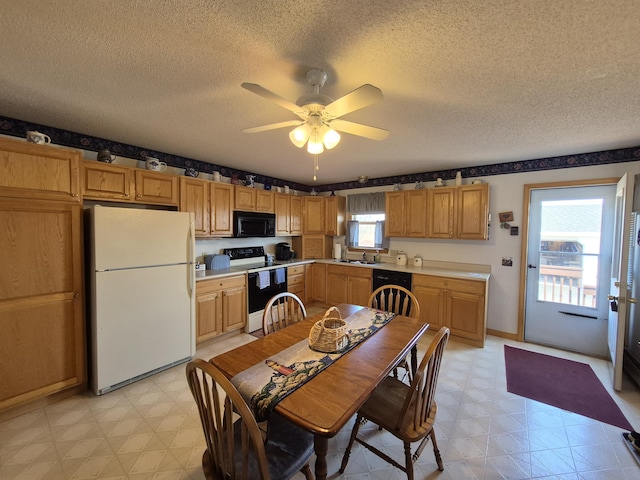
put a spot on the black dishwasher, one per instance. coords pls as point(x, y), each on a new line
point(390, 277)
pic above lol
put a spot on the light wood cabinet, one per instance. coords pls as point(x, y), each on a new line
point(194, 197)
point(288, 210)
point(336, 212)
point(222, 197)
point(42, 328)
point(314, 215)
point(296, 280)
point(264, 201)
point(346, 284)
point(312, 246)
point(473, 212)
point(317, 280)
point(221, 306)
point(395, 214)
point(103, 181)
point(39, 172)
point(156, 187)
point(416, 213)
point(245, 198)
point(460, 212)
point(459, 304)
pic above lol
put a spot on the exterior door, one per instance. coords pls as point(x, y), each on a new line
point(620, 277)
point(568, 267)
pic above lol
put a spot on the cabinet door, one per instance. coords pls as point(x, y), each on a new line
point(104, 181)
point(336, 213)
point(310, 246)
point(314, 215)
point(337, 288)
point(208, 313)
point(296, 209)
point(264, 201)
point(194, 197)
point(295, 280)
point(40, 172)
point(431, 301)
point(234, 308)
point(394, 214)
point(221, 209)
point(416, 211)
point(281, 206)
point(157, 188)
point(359, 290)
point(42, 325)
point(466, 314)
point(440, 217)
point(318, 282)
point(472, 221)
point(245, 198)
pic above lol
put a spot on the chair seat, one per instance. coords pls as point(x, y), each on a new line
point(385, 405)
point(288, 447)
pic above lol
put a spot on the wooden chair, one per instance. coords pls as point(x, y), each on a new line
point(407, 412)
point(281, 311)
point(235, 445)
point(397, 299)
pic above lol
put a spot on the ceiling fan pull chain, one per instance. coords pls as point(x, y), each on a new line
point(315, 167)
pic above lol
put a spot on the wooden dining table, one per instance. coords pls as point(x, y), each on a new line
point(325, 403)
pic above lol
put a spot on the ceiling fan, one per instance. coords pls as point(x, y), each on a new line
point(319, 123)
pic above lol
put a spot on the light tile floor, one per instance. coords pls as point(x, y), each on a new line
point(150, 430)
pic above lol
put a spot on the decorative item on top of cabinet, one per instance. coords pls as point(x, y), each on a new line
point(222, 195)
point(221, 306)
point(29, 170)
point(459, 304)
point(42, 324)
point(194, 197)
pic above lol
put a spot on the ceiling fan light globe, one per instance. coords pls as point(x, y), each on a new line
point(331, 139)
point(300, 135)
point(314, 147)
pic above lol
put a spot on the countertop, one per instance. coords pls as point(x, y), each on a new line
point(442, 269)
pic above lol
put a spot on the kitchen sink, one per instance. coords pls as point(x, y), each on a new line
point(359, 262)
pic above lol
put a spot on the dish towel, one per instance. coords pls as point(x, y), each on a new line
point(279, 275)
point(263, 279)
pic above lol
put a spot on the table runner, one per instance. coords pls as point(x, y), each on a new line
point(265, 384)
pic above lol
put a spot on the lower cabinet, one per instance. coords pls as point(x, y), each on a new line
point(347, 284)
point(459, 304)
point(317, 283)
point(221, 306)
point(296, 281)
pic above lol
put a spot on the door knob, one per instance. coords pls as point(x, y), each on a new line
point(632, 300)
point(612, 297)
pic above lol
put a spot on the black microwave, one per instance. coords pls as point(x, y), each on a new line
point(254, 224)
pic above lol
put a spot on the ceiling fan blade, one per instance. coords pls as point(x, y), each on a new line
point(359, 129)
point(274, 97)
point(273, 126)
point(359, 98)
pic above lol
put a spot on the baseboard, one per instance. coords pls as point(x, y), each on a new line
point(498, 333)
point(21, 409)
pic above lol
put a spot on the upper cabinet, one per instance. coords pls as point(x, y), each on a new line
point(314, 215)
point(264, 201)
point(222, 196)
point(336, 211)
point(288, 210)
point(460, 212)
point(104, 181)
point(40, 172)
point(245, 198)
point(194, 197)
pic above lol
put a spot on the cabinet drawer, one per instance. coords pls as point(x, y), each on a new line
point(295, 280)
point(456, 284)
point(297, 270)
point(350, 271)
point(297, 290)
point(219, 283)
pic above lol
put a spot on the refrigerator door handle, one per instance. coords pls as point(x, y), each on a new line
point(190, 260)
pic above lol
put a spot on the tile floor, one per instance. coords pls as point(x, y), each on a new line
point(150, 430)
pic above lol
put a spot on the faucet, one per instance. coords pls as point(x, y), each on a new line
point(364, 256)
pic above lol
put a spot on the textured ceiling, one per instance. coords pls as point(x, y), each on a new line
point(465, 82)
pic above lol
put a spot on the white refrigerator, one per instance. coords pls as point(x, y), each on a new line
point(142, 293)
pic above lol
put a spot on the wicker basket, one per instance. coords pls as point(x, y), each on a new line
point(329, 335)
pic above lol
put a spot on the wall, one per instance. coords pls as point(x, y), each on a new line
point(506, 194)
